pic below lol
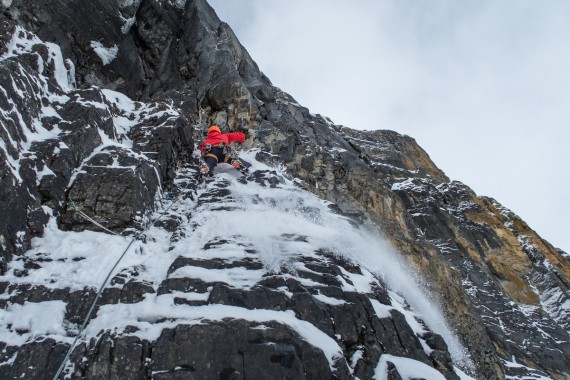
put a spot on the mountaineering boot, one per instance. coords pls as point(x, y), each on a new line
point(203, 171)
point(241, 165)
point(236, 164)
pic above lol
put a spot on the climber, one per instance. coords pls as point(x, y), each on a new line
point(214, 148)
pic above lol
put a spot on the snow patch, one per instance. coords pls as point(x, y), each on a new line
point(128, 24)
point(46, 171)
point(381, 310)
point(107, 55)
point(22, 42)
point(530, 373)
point(329, 300)
point(85, 258)
point(358, 354)
point(408, 184)
point(408, 369)
point(21, 323)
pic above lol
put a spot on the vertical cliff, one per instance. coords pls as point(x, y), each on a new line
point(102, 103)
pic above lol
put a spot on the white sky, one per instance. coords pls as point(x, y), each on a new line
point(483, 86)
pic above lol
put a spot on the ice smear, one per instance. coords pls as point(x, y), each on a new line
point(64, 77)
point(125, 3)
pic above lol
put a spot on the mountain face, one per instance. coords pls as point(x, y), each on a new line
point(342, 254)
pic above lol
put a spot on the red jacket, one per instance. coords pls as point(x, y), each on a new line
point(215, 138)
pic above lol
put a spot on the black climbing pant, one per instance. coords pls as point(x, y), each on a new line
point(214, 156)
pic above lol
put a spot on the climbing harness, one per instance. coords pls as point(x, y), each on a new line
point(104, 284)
point(229, 152)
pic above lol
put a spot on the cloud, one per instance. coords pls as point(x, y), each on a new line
point(482, 86)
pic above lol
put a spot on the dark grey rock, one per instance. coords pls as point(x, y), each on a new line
point(46, 354)
point(214, 263)
point(114, 187)
point(183, 285)
point(240, 351)
point(135, 291)
point(166, 140)
point(255, 298)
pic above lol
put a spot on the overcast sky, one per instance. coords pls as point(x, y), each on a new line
point(483, 86)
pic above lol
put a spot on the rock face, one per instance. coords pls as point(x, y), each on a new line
point(224, 306)
point(117, 186)
point(102, 121)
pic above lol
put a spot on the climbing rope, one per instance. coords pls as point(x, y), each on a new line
point(104, 284)
point(87, 217)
